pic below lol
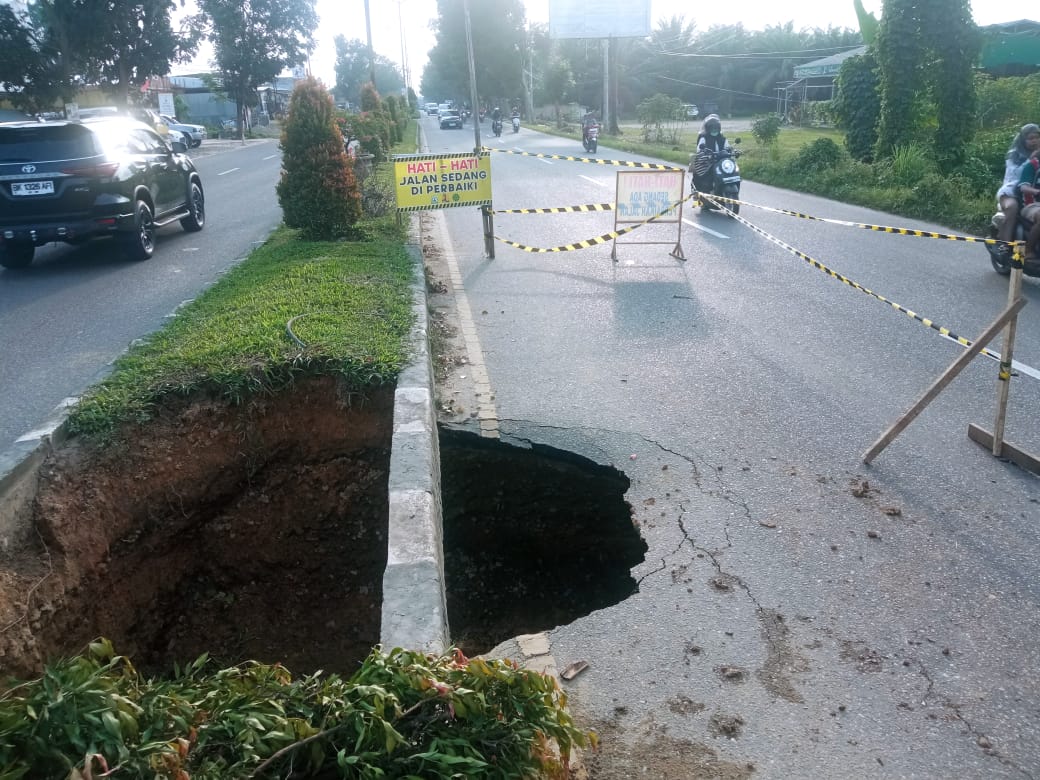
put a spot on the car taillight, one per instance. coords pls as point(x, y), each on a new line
point(101, 170)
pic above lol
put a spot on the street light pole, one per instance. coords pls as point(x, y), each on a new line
point(371, 51)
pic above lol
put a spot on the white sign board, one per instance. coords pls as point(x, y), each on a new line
point(642, 194)
point(599, 18)
point(166, 105)
point(72, 111)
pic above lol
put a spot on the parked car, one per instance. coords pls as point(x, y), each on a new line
point(196, 133)
point(690, 110)
point(74, 181)
point(450, 118)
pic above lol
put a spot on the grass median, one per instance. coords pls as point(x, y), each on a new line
point(292, 308)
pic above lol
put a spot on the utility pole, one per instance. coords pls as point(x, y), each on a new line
point(371, 51)
point(404, 51)
point(486, 215)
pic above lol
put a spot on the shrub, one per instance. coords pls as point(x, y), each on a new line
point(317, 192)
point(402, 714)
point(766, 129)
point(821, 154)
point(658, 114)
point(908, 165)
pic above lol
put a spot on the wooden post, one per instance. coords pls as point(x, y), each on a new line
point(1007, 351)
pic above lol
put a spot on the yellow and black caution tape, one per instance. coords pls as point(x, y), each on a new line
point(594, 160)
point(558, 209)
point(591, 241)
point(863, 225)
point(845, 280)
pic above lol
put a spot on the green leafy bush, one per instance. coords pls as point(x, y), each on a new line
point(766, 129)
point(662, 118)
point(403, 714)
point(908, 165)
point(317, 192)
point(821, 154)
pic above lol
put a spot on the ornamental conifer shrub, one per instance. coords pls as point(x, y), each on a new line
point(318, 192)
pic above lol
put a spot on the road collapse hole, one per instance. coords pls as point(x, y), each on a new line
point(248, 532)
point(533, 538)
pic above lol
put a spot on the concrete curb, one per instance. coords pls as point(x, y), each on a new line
point(415, 607)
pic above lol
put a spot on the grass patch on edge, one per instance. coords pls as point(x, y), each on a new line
point(348, 302)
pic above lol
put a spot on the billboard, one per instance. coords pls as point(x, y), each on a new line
point(599, 18)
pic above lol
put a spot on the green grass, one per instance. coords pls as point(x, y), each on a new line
point(943, 199)
point(349, 304)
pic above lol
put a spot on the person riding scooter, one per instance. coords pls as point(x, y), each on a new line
point(710, 141)
point(587, 121)
point(496, 121)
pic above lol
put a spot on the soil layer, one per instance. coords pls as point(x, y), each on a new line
point(252, 532)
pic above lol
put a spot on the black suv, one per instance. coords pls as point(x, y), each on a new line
point(72, 181)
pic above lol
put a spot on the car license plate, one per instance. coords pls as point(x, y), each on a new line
point(32, 188)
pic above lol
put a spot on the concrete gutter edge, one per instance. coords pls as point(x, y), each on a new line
point(415, 609)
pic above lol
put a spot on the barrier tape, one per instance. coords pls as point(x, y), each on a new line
point(864, 225)
point(589, 242)
point(845, 280)
point(558, 209)
point(594, 160)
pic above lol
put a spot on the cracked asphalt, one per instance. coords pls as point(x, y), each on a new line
point(799, 614)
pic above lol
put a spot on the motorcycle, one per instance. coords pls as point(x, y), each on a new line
point(590, 138)
point(1000, 254)
point(722, 179)
point(516, 124)
point(496, 127)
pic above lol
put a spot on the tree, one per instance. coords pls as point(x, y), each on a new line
point(558, 84)
point(317, 192)
point(942, 34)
point(857, 105)
point(353, 71)
point(498, 45)
point(130, 41)
point(41, 59)
point(254, 40)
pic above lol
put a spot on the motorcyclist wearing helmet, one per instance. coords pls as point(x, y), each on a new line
point(710, 141)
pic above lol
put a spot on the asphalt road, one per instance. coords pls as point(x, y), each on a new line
point(886, 619)
point(75, 309)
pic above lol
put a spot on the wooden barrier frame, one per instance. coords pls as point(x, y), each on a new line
point(1008, 322)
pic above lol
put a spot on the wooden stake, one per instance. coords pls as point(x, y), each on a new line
point(1006, 354)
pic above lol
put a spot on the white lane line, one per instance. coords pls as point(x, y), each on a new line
point(1021, 368)
point(595, 181)
point(704, 229)
point(229, 170)
point(270, 156)
point(547, 162)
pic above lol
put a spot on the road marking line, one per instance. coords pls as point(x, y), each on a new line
point(230, 170)
point(547, 162)
point(595, 181)
point(704, 229)
point(1021, 368)
point(270, 156)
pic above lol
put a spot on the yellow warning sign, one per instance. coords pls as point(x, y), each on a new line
point(437, 181)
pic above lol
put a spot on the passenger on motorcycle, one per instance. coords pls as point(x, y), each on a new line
point(1029, 203)
point(587, 121)
point(1009, 197)
point(709, 143)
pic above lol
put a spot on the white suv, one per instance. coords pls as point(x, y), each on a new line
point(195, 134)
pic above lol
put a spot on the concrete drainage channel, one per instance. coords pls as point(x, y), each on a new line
point(303, 529)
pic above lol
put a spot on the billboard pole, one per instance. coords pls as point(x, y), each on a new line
point(606, 83)
point(487, 218)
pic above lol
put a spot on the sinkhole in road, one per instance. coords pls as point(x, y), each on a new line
point(534, 537)
point(259, 531)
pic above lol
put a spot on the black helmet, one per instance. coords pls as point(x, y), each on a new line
point(712, 122)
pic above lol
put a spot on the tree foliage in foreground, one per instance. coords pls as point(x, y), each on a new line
point(403, 714)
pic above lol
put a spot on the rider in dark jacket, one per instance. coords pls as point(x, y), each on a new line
point(709, 142)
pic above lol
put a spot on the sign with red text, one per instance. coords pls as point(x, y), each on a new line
point(438, 181)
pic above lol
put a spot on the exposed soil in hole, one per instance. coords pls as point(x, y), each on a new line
point(533, 538)
point(256, 531)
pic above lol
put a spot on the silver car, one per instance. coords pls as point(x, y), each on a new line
point(195, 133)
